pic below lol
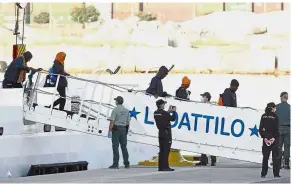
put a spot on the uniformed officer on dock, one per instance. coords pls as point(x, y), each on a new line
point(283, 112)
point(163, 121)
point(119, 124)
point(268, 130)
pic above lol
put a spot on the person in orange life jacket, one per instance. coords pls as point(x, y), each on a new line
point(269, 131)
point(229, 96)
point(58, 68)
point(156, 87)
point(182, 91)
point(163, 122)
point(206, 98)
point(16, 72)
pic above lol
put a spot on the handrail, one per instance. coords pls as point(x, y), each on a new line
point(122, 89)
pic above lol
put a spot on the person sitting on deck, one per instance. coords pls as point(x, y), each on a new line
point(182, 91)
point(156, 87)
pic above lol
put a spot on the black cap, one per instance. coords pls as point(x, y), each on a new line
point(119, 100)
point(207, 95)
point(234, 82)
point(271, 105)
point(160, 102)
point(283, 94)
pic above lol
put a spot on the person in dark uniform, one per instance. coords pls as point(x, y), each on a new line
point(163, 121)
point(269, 131)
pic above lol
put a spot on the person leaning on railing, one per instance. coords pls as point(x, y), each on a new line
point(15, 74)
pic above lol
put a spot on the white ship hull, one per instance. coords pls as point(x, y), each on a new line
point(23, 146)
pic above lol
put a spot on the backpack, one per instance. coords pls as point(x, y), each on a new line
point(220, 101)
point(53, 78)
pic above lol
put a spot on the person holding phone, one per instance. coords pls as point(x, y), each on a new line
point(269, 131)
point(163, 122)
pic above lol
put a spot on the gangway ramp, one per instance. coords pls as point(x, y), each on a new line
point(201, 128)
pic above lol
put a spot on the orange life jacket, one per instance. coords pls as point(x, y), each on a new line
point(220, 101)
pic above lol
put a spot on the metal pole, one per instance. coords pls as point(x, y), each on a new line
point(82, 100)
point(93, 94)
point(34, 90)
point(110, 99)
point(23, 26)
point(54, 93)
point(100, 104)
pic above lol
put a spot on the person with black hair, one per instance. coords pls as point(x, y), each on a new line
point(15, 74)
point(206, 98)
point(163, 122)
point(268, 130)
point(229, 96)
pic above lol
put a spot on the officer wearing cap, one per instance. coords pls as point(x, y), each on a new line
point(206, 98)
point(283, 113)
point(163, 121)
point(119, 124)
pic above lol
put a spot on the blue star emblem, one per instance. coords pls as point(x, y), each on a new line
point(133, 113)
point(254, 131)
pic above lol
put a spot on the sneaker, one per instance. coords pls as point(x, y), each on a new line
point(113, 167)
point(126, 166)
point(277, 176)
point(262, 176)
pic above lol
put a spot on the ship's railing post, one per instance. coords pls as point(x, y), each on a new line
point(34, 90)
point(54, 94)
point(100, 103)
point(82, 100)
point(91, 103)
point(109, 103)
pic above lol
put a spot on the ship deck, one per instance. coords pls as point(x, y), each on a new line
point(226, 171)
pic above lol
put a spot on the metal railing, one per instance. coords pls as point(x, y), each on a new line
point(86, 105)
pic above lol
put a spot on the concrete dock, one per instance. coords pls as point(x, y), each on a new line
point(226, 171)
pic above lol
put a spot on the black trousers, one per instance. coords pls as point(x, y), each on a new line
point(165, 146)
point(8, 84)
point(61, 101)
point(266, 151)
